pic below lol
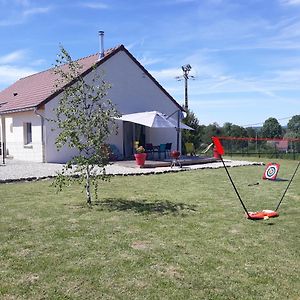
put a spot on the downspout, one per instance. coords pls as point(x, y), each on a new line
point(42, 133)
point(3, 139)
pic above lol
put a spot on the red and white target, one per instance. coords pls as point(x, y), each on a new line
point(271, 171)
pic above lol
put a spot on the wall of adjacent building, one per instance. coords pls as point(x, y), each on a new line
point(14, 136)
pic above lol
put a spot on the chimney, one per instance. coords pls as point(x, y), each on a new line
point(101, 46)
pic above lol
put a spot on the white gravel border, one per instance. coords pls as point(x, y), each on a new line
point(15, 170)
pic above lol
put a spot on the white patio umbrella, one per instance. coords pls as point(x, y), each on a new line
point(154, 119)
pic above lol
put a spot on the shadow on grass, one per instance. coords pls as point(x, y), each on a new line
point(144, 206)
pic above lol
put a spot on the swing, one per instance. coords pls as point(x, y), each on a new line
point(258, 215)
point(262, 215)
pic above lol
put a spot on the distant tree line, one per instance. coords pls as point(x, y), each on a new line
point(201, 135)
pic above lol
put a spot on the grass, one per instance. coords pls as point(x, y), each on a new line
point(169, 236)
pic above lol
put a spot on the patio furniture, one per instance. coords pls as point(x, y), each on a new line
point(168, 149)
point(114, 153)
point(149, 149)
point(190, 149)
point(162, 149)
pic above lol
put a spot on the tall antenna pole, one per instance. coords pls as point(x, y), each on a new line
point(186, 70)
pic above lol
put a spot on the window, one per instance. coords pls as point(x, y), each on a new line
point(27, 133)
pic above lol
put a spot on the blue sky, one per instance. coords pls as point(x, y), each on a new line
point(245, 55)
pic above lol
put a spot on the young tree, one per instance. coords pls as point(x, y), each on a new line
point(84, 120)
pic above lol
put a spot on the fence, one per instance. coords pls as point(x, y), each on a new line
point(262, 147)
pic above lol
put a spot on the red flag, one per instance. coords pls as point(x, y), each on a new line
point(218, 145)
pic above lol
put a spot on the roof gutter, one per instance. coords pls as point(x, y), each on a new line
point(17, 110)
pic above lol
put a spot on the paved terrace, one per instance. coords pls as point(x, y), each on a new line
point(15, 170)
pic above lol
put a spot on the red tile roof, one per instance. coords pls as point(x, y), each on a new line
point(35, 90)
point(32, 91)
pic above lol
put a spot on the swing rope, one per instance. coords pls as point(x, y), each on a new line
point(287, 187)
point(236, 191)
point(220, 151)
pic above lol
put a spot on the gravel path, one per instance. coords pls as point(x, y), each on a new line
point(15, 170)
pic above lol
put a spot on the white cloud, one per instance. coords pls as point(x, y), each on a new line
point(290, 2)
point(94, 5)
point(12, 57)
point(146, 60)
point(9, 74)
point(166, 74)
point(16, 65)
point(19, 11)
point(36, 11)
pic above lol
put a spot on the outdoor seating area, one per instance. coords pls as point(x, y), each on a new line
point(160, 155)
point(158, 152)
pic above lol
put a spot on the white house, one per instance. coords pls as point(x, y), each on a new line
point(26, 105)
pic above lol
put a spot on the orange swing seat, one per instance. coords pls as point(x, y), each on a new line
point(261, 215)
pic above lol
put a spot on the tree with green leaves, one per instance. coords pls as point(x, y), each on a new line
point(271, 129)
point(251, 132)
point(294, 126)
point(192, 136)
point(210, 130)
point(84, 120)
point(230, 129)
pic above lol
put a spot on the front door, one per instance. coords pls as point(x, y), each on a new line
point(132, 133)
point(139, 133)
point(128, 138)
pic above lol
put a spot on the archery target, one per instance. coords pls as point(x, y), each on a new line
point(271, 171)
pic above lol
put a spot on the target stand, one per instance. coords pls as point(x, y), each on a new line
point(271, 171)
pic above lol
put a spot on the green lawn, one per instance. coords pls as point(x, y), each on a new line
point(168, 236)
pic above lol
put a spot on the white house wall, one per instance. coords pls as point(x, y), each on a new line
point(14, 132)
point(132, 91)
point(52, 154)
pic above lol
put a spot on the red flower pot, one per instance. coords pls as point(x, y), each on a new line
point(216, 153)
point(140, 158)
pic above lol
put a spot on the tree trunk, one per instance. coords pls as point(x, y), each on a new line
point(88, 187)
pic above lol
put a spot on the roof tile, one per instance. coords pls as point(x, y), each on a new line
point(31, 91)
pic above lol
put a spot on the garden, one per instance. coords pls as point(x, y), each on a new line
point(169, 236)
